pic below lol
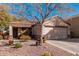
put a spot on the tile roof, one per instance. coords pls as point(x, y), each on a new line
point(21, 23)
point(55, 21)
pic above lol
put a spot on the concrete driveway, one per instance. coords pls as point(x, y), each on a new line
point(70, 45)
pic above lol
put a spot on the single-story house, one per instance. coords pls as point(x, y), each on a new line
point(74, 26)
point(55, 28)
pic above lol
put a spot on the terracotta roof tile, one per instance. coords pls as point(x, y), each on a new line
point(55, 21)
point(22, 24)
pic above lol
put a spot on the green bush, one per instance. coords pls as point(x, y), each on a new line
point(46, 53)
point(25, 37)
point(18, 45)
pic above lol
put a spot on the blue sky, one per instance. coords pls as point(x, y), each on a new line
point(76, 7)
point(16, 8)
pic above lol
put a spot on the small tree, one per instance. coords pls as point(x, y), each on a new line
point(4, 17)
point(50, 8)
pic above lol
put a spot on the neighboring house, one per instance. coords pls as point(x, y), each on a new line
point(74, 26)
point(55, 28)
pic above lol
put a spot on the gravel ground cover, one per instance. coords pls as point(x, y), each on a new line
point(29, 49)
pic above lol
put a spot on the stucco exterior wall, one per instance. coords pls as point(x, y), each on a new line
point(46, 30)
point(36, 30)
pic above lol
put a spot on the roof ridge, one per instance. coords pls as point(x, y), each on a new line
point(72, 17)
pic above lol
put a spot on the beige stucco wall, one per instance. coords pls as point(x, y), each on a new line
point(46, 30)
point(36, 30)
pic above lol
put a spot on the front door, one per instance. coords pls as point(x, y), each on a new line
point(15, 32)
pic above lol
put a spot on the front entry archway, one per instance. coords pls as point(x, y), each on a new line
point(18, 31)
point(16, 26)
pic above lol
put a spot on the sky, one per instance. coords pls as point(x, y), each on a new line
point(25, 9)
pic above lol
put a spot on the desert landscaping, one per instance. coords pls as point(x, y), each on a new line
point(38, 29)
point(29, 49)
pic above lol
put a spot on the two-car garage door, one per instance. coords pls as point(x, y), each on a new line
point(58, 33)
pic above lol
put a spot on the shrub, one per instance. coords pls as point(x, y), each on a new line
point(18, 45)
point(25, 37)
point(46, 53)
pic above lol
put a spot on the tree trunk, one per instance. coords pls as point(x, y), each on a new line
point(39, 38)
point(41, 41)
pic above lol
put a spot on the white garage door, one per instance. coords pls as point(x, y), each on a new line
point(58, 33)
